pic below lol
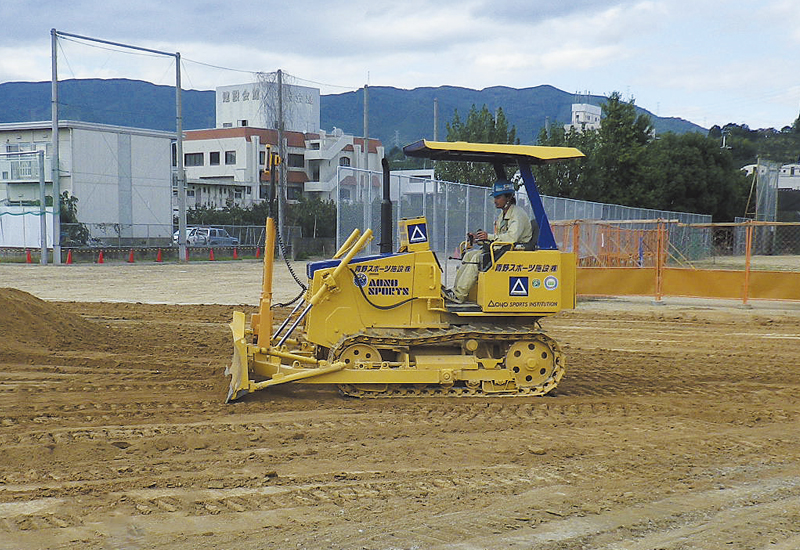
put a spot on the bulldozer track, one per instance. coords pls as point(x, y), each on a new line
point(485, 333)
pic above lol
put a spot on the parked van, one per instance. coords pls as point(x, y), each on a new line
point(211, 236)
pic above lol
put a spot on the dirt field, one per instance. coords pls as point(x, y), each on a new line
point(675, 427)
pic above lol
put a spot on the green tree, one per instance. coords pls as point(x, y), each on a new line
point(480, 127)
point(692, 173)
point(316, 217)
point(73, 232)
point(566, 179)
point(620, 153)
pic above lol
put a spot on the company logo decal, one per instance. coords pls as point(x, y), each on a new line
point(387, 287)
point(417, 233)
point(360, 280)
point(517, 286)
point(550, 283)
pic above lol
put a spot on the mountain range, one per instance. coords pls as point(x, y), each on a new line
point(396, 116)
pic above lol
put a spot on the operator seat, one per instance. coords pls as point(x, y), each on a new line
point(533, 243)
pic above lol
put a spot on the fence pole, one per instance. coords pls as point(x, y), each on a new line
point(576, 240)
point(659, 261)
point(748, 245)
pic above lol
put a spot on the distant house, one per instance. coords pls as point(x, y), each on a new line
point(121, 176)
point(789, 177)
point(584, 117)
point(788, 174)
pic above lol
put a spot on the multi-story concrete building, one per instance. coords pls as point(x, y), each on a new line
point(585, 117)
point(225, 166)
point(121, 176)
point(255, 105)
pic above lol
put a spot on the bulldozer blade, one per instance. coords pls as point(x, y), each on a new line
point(240, 380)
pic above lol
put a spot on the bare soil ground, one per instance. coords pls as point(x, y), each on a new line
point(675, 427)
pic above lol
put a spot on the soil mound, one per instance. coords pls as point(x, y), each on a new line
point(27, 321)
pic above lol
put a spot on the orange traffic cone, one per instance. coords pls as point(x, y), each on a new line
point(158, 256)
point(100, 257)
point(258, 252)
point(28, 258)
point(235, 253)
point(130, 257)
point(211, 254)
point(69, 256)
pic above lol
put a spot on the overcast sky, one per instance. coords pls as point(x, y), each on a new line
point(708, 61)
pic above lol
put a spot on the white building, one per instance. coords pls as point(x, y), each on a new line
point(584, 117)
point(339, 158)
point(789, 177)
point(226, 165)
point(256, 105)
point(121, 176)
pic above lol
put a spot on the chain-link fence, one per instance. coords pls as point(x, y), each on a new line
point(453, 209)
point(116, 235)
point(634, 243)
point(759, 260)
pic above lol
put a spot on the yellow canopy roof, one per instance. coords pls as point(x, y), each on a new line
point(490, 152)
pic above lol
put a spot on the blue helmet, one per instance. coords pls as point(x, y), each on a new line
point(503, 187)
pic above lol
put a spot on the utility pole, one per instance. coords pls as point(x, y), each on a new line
point(367, 197)
point(180, 173)
point(54, 156)
point(282, 154)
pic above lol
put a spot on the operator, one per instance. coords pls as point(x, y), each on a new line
point(511, 226)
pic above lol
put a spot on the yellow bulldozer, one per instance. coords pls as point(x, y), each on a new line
point(379, 325)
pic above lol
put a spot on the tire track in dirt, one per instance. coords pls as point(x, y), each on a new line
point(125, 440)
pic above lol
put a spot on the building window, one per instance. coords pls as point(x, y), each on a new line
point(237, 193)
point(227, 124)
point(190, 192)
point(243, 123)
point(262, 157)
point(296, 161)
point(213, 158)
point(193, 159)
point(344, 161)
point(230, 157)
point(294, 192)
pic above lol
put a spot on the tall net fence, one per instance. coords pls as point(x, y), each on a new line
point(453, 209)
point(728, 246)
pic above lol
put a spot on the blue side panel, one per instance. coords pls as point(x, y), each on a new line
point(312, 267)
point(546, 239)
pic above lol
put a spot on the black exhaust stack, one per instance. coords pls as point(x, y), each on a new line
point(386, 245)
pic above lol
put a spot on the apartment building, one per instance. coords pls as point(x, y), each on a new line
point(226, 166)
